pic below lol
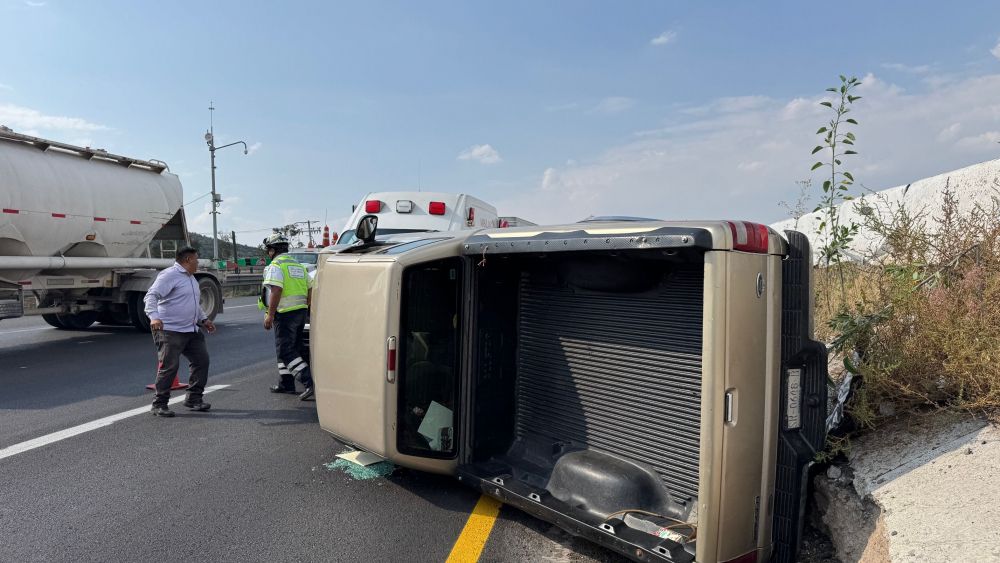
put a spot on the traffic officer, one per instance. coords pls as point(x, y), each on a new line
point(285, 296)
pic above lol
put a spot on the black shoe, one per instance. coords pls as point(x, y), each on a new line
point(197, 407)
point(307, 394)
point(282, 389)
point(162, 411)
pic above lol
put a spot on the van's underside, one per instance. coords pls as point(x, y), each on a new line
point(586, 391)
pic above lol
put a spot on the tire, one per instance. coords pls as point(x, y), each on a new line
point(211, 297)
point(136, 314)
point(53, 321)
point(79, 321)
point(117, 316)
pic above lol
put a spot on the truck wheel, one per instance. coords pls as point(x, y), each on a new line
point(53, 320)
point(211, 297)
point(114, 317)
point(136, 313)
point(78, 321)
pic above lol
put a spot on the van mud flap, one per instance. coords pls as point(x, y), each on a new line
point(623, 535)
point(802, 413)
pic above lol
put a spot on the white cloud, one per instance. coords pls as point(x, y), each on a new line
point(254, 148)
point(984, 142)
point(484, 154)
point(950, 132)
point(910, 69)
point(563, 107)
point(743, 155)
point(33, 4)
point(750, 165)
point(732, 104)
point(20, 118)
point(664, 38)
point(6, 87)
point(82, 142)
point(996, 50)
point(613, 105)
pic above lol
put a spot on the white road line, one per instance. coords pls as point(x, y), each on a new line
point(26, 330)
point(87, 427)
point(240, 306)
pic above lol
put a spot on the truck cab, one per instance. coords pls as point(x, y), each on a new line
point(651, 386)
point(409, 212)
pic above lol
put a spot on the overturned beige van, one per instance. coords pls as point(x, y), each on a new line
point(651, 386)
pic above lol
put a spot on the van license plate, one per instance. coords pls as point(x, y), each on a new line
point(793, 413)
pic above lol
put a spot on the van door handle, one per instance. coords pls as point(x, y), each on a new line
point(730, 408)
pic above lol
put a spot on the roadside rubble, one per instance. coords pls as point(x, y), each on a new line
point(924, 488)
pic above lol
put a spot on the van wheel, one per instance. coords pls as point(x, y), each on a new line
point(136, 314)
point(211, 297)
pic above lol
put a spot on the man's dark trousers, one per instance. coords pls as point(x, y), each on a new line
point(289, 335)
point(170, 346)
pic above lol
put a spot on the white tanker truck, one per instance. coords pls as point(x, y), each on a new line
point(76, 225)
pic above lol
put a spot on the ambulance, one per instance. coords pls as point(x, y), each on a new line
point(415, 212)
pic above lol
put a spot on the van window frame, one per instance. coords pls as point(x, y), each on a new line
point(462, 268)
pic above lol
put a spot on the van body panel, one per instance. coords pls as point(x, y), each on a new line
point(772, 396)
point(712, 401)
point(352, 405)
point(745, 383)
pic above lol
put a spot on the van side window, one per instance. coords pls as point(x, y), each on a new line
point(429, 358)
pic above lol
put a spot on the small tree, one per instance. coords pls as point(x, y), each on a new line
point(798, 209)
point(835, 236)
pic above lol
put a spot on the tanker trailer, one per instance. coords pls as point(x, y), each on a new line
point(76, 225)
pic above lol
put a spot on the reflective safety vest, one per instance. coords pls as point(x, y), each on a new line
point(292, 278)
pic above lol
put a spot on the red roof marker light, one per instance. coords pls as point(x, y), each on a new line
point(373, 206)
point(436, 208)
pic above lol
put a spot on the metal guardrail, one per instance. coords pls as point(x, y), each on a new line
point(243, 280)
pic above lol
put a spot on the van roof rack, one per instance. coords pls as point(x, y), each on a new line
point(88, 153)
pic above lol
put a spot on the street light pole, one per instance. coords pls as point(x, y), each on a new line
point(216, 198)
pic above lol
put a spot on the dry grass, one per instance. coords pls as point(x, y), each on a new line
point(923, 316)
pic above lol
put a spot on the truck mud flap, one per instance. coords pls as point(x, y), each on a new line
point(614, 534)
point(802, 413)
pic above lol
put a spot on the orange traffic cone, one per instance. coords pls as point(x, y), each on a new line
point(175, 386)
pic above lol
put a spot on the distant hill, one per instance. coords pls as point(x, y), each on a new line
point(204, 245)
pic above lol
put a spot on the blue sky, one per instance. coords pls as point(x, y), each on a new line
point(551, 110)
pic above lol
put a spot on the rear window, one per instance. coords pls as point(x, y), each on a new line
point(408, 246)
point(305, 257)
point(349, 238)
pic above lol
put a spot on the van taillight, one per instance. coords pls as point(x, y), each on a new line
point(373, 206)
point(390, 359)
point(746, 557)
point(436, 208)
point(749, 237)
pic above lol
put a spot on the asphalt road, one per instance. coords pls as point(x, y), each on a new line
point(246, 481)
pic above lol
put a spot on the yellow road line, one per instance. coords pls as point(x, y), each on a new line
point(471, 541)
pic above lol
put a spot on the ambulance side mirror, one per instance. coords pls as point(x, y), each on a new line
point(366, 229)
